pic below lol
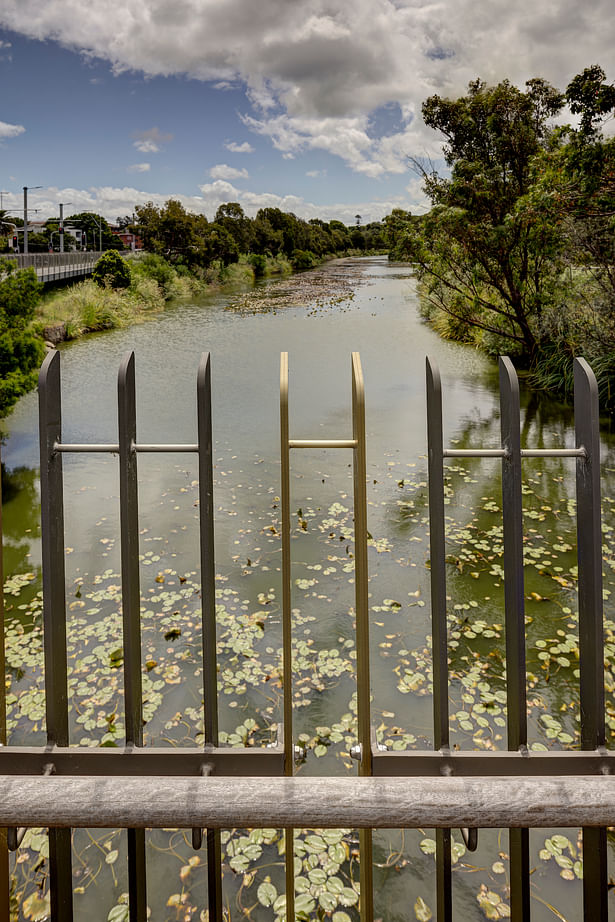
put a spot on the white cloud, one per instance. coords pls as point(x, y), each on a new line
point(10, 131)
point(316, 174)
point(235, 148)
point(151, 141)
point(314, 71)
point(139, 168)
point(223, 171)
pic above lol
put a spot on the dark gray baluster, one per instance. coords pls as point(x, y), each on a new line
point(208, 613)
point(131, 613)
point(444, 912)
point(591, 630)
point(4, 853)
point(54, 614)
point(514, 601)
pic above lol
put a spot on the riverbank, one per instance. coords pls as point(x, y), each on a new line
point(86, 308)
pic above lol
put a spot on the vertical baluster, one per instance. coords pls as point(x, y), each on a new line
point(437, 555)
point(54, 614)
point(131, 613)
point(514, 602)
point(591, 636)
point(287, 663)
point(208, 614)
point(4, 852)
point(362, 623)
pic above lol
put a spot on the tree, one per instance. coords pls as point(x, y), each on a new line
point(21, 352)
point(590, 97)
point(231, 216)
point(111, 271)
point(485, 262)
point(172, 232)
point(574, 190)
point(93, 224)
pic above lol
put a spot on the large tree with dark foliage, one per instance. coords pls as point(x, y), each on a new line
point(484, 261)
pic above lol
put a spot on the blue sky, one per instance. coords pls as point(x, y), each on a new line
point(311, 107)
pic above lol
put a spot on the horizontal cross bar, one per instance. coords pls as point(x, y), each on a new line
point(389, 803)
point(165, 761)
point(165, 448)
point(472, 764)
point(474, 453)
point(525, 453)
point(151, 760)
point(66, 447)
point(322, 443)
point(553, 453)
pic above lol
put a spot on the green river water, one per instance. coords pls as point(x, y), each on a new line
point(320, 317)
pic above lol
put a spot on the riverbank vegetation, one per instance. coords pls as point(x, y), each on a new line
point(191, 240)
point(185, 256)
point(123, 291)
point(517, 253)
point(21, 351)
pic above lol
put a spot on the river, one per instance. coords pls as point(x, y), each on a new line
point(368, 306)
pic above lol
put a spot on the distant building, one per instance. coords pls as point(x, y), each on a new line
point(130, 241)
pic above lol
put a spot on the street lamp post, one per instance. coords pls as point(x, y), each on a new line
point(99, 233)
point(25, 215)
point(61, 228)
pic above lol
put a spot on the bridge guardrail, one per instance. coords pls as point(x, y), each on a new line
point(465, 786)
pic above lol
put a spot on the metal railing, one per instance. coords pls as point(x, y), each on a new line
point(65, 786)
point(51, 267)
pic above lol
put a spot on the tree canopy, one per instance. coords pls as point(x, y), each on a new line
point(516, 253)
point(484, 261)
point(21, 352)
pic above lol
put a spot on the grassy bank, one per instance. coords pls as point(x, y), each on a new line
point(87, 307)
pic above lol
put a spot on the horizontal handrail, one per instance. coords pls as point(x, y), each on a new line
point(214, 803)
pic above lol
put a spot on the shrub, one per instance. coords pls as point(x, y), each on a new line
point(21, 352)
point(111, 271)
point(303, 259)
point(259, 264)
point(156, 268)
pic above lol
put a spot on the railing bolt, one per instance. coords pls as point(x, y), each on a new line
point(356, 752)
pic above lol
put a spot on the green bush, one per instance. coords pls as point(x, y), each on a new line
point(21, 352)
point(259, 264)
point(111, 271)
point(303, 259)
point(155, 267)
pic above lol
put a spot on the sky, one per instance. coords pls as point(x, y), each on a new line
point(312, 106)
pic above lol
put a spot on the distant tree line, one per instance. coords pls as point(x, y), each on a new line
point(517, 253)
point(190, 239)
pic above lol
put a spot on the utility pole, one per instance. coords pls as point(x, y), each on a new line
point(25, 215)
point(99, 233)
